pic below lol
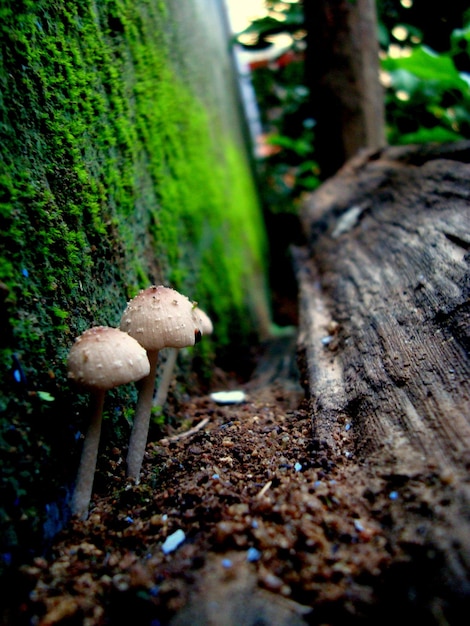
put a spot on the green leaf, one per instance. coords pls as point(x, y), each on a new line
point(429, 135)
point(403, 80)
point(299, 146)
point(46, 396)
point(428, 66)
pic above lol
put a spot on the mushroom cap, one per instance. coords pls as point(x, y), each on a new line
point(104, 357)
point(160, 317)
point(203, 321)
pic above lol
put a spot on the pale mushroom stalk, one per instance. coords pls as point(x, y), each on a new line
point(204, 324)
point(86, 470)
point(167, 374)
point(140, 428)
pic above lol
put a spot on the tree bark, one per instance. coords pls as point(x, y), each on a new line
point(384, 340)
point(343, 75)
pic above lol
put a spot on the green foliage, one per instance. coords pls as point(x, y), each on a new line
point(287, 167)
point(111, 180)
point(283, 17)
point(428, 99)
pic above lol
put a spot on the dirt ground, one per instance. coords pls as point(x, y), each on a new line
point(275, 532)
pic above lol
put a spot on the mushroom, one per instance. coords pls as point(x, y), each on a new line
point(158, 317)
point(101, 358)
point(204, 324)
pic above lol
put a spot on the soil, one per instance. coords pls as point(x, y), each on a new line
point(275, 531)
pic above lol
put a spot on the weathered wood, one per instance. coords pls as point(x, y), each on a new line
point(384, 330)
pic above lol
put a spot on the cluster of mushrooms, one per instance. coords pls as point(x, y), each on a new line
point(104, 357)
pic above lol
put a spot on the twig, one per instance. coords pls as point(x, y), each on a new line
point(264, 489)
point(187, 433)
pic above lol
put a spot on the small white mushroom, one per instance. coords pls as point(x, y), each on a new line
point(158, 317)
point(96, 363)
point(204, 324)
point(203, 321)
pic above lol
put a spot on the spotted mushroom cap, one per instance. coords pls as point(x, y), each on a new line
point(203, 321)
point(104, 357)
point(160, 317)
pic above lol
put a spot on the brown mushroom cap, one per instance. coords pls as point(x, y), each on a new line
point(160, 317)
point(104, 357)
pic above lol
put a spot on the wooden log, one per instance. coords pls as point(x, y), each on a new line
point(384, 283)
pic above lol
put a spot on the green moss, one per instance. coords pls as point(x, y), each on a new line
point(112, 179)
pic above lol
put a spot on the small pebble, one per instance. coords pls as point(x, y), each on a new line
point(253, 555)
point(272, 582)
point(121, 582)
point(358, 526)
point(173, 541)
point(228, 397)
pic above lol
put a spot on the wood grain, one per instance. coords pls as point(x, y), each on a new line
point(395, 279)
point(384, 282)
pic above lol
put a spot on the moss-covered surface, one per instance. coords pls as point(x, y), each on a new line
point(114, 175)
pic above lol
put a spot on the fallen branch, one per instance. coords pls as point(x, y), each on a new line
point(186, 434)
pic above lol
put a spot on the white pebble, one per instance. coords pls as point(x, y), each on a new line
point(228, 397)
point(173, 541)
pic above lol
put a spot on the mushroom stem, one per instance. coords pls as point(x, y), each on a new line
point(140, 428)
point(164, 385)
point(86, 470)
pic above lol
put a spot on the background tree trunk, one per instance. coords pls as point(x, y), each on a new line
point(343, 75)
point(384, 340)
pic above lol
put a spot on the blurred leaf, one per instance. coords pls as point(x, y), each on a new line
point(268, 26)
point(428, 66)
point(383, 36)
point(308, 166)
point(403, 80)
point(309, 182)
point(460, 35)
point(46, 396)
point(438, 134)
point(299, 146)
